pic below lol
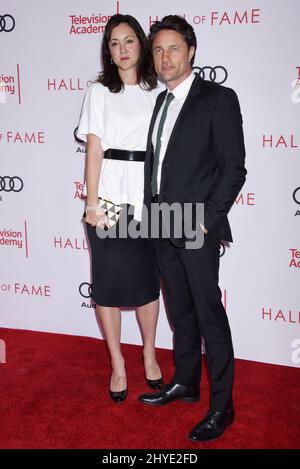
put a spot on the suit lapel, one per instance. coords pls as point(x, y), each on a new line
point(194, 91)
point(159, 101)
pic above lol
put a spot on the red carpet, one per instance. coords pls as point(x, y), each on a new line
point(54, 395)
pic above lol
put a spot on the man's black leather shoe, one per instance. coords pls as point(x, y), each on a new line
point(169, 393)
point(213, 425)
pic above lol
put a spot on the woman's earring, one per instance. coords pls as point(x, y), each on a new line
point(111, 60)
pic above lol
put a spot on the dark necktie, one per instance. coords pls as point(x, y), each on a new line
point(154, 187)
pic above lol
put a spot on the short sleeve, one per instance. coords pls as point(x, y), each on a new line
point(91, 116)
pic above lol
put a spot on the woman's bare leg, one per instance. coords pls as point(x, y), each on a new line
point(147, 316)
point(110, 319)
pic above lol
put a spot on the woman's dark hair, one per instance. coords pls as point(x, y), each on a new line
point(145, 71)
point(175, 23)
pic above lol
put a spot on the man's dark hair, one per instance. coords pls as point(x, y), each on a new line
point(175, 23)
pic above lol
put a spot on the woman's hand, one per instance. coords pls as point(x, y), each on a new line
point(97, 217)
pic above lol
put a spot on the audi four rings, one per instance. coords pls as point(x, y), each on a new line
point(7, 23)
point(217, 74)
point(295, 195)
point(11, 184)
point(85, 290)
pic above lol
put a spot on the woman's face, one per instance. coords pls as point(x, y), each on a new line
point(124, 47)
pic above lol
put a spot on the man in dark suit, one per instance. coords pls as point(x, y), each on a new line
point(195, 153)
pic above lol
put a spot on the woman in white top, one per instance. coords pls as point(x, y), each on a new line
point(114, 122)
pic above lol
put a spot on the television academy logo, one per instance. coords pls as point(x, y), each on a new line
point(78, 190)
point(295, 258)
point(217, 74)
point(7, 86)
point(11, 184)
point(94, 24)
point(7, 23)
point(10, 85)
point(12, 238)
point(295, 95)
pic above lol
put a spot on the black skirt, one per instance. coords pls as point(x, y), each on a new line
point(124, 270)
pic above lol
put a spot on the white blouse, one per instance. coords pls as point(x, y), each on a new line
point(121, 120)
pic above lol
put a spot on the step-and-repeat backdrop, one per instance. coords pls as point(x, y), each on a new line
point(49, 54)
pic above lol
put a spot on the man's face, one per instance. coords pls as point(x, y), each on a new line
point(171, 57)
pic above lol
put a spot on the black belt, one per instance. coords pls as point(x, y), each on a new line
point(124, 155)
point(155, 198)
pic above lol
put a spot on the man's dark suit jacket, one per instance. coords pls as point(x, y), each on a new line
point(204, 160)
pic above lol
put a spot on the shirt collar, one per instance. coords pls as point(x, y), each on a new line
point(183, 88)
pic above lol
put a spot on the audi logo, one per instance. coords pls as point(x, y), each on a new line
point(76, 138)
point(11, 184)
point(217, 74)
point(7, 23)
point(296, 196)
point(86, 290)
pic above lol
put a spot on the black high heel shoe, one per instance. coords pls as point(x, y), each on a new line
point(155, 383)
point(118, 396)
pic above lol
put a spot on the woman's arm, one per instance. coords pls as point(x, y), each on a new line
point(94, 159)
